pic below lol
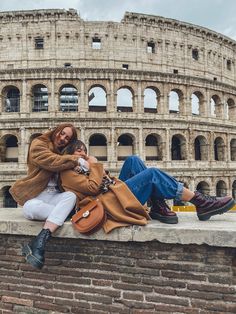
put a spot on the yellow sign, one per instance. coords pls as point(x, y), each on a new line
point(190, 208)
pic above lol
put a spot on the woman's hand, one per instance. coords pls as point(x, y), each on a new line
point(91, 159)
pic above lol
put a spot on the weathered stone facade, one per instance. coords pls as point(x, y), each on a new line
point(51, 61)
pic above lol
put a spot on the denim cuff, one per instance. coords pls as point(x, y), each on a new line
point(179, 191)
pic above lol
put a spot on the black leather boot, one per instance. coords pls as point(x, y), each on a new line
point(162, 212)
point(34, 251)
point(208, 206)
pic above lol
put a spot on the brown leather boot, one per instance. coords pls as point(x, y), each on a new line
point(208, 206)
point(162, 212)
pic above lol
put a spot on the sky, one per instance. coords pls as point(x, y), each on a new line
point(217, 15)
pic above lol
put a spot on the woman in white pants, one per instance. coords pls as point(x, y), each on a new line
point(50, 205)
point(39, 193)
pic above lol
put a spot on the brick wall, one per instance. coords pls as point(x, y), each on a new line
point(85, 276)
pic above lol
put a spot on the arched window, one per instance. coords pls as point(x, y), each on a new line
point(221, 189)
point(233, 149)
point(12, 99)
point(231, 110)
point(216, 107)
point(150, 100)
point(153, 147)
point(203, 188)
point(174, 102)
point(9, 148)
point(124, 100)
point(213, 106)
point(219, 149)
point(68, 98)
point(195, 102)
point(8, 201)
point(98, 146)
point(200, 148)
point(40, 98)
point(97, 99)
point(178, 148)
point(125, 146)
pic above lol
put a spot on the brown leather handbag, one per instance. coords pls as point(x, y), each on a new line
point(89, 218)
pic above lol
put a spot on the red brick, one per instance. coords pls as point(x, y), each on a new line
point(214, 306)
point(170, 308)
point(57, 293)
point(14, 300)
point(100, 290)
point(22, 288)
point(220, 279)
point(103, 283)
point(200, 295)
point(51, 307)
point(69, 279)
point(184, 276)
point(136, 305)
point(212, 288)
point(158, 298)
point(133, 296)
point(110, 308)
point(72, 303)
point(126, 286)
point(37, 297)
point(131, 279)
point(164, 291)
point(39, 275)
point(94, 298)
point(9, 293)
point(6, 306)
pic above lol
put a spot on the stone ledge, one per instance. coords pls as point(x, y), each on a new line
point(218, 231)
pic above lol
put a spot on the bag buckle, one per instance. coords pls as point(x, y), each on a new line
point(86, 214)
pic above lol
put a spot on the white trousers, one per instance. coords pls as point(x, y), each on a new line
point(50, 206)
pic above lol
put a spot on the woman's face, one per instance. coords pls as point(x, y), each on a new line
point(81, 151)
point(63, 138)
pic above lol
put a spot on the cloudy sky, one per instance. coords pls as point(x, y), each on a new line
point(218, 15)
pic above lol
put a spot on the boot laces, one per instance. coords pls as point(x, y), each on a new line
point(162, 203)
point(43, 239)
point(209, 197)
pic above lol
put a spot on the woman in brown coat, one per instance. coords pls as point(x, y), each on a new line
point(124, 200)
point(122, 207)
point(38, 192)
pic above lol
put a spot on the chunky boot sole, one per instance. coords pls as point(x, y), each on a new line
point(222, 210)
point(164, 219)
point(30, 258)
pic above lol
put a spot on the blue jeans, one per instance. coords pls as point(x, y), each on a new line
point(149, 183)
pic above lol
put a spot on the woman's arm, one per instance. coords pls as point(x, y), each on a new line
point(80, 183)
point(41, 155)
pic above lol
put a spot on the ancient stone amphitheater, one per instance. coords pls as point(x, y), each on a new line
point(148, 85)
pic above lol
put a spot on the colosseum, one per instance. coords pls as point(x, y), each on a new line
point(148, 85)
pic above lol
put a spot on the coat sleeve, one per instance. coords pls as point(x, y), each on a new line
point(41, 156)
point(82, 184)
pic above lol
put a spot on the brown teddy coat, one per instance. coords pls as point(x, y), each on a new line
point(43, 160)
point(122, 207)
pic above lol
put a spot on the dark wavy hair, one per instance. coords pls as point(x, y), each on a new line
point(73, 146)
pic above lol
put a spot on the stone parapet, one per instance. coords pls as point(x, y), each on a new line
point(219, 231)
